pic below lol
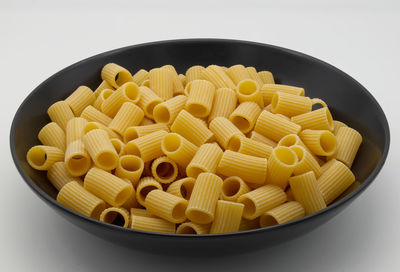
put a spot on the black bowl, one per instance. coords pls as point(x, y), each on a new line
point(348, 100)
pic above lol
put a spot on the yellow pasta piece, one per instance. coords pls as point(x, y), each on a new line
point(305, 190)
point(191, 128)
point(337, 125)
point(148, 147)
point(281, 165)
point(249, 224)
point(166, 206)
point(161, 83)
point(81, 98)
point(141, 212)
point(245, 115)
point(178, 148)
point(60, 113)
point(182, 78)
point(76, 198)
point(224, 103)
point(140, 76)
point(91, 114)
point(202, 203)
point(206, 159)
point(52, 135)
point(103, 86)
point(268, 90)
point(118, 145)
point(148, 101)
point(227, 217)
point(237, 73)
point(58, 175)
point(266, 77)
point(115, 75)
point(130, 167)
point(116, 216)
point(275, 127)
point(348, 143)
point(200, 98)
point(146, 83)
point(106, 186)
point(145, 186)
point(178, 86)
point(128, 115)
point(134, 132)
point(152, 224)
point(290, 104)
point(167, 111)
point(224, 130)
point(249, 168)
point(306, 162)
point(100, 149)
point(75, 129)
point(146, 121)
point(129, 92)
point(95, 125)
point(192, 228)
point(262, 139)
point(248, 146)
point(217, 76)
point(77, 159)
point(42, 157)
point(182, 188)
point(289, 195)
point(320, 142)
point(334, 181)
point(248, 90)
point(284, 213)
point(194, 73)
point(233, 187)
point(131, 201)
point(320, 119)
point(327, 165)
point(261, 200)
point(102, 96)
point(255, 76)
point(164, 170)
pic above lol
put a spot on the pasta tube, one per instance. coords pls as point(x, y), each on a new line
point(128, 115)
point(141, 212)
point(200, 98)
point(337, 125)
point(59, 176)
point(193, 73)
point(76, 198)
point(42, 157)
point(320, 119)
point(161, 83)
point(217, 76)
point(284, 213)
point(248, 146)
point(152, 224)
point(290, 104)
point(164, 170)
point(245, 116)
point(145, 186)
point(178, 86)
point(281, 165)
point(182, 187)
point(268, 90)
point(178, 148)
point(128, 92)
point(166, 206)
point(248, 90)
point(116, 216)
point(81, 98)
point(224, 130)
point(148, 147)
point(227, 217)
point(192, 228)
point(77, 159)
point(262, 139)
point(95, 125)
point(320, 142)
point(130, 167)
point(103, 85)
point(266, 77)
point(91, 114)
point(60, 113)
point(140, 76)
point(237, 73)
point(233, 187)
point(102, 96)
point(348, 143)
point(167, 111)
point(306, 162)
point(224, 103)
point(148, 101)
point(255, 76)
point(131, 133)
point(206, 159)
point(75, 129)
point(52, 135)
point(115, 75)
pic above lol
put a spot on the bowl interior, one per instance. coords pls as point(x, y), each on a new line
point(347, 99)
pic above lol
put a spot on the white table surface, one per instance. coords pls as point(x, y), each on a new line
point(38, 38)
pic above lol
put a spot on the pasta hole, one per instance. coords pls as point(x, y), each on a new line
point(150, 107)
point(187, 230)
point(114, 218)
point(247, 87)
point(117, 145)
point(197, 110)
point(161, 114)
point(286, 155)
point(299, 152)
point(328, 142)
point(122, 77)
point(130, 134)
point(107, 159)
point(146, 190)
point(178, 212)
point(184, 192)
point(241, 123)
point(194, 171)
point(38, 156)
point(132, 149)
point(106, 93)
point(171, 142)
point(165, 170)
point(289, 140)
point(249, 207)
point(132, 91)
point(131, 163)
point(235, 143)
point(79, 163)
point(267, 221)
point(230, 187)
point(91, 126)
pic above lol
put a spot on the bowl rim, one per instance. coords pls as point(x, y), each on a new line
point(111, 227)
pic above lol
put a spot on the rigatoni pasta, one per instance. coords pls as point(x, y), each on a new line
point(284, 213)
point(227, 217)
point(42, 157)
point(81, 98)
point(53, 135)
point(60, 113)
point(224, 103)
point(200, 98)
point(115, 75)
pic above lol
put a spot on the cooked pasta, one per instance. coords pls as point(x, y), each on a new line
point(130, 167)
point(284, 213)
point(148, 101)
point(248, 146)
point(191, 128)
point(192, 228)
point(81, 98)
point(348, 142)
point(227, 217)
point(224, 130)
point(148, 147)
point(248, 90)
point(224, 103)
point(206, 159)
point(59, 176)
point(75, 129)
point(115, 75)
point(91, 114)
point(233, 187)
point(237, 73)
point(200, 98)
point(161, 83)
point(305, 190)
point(134, 132)
point(77, 159)
point(76, 198)
point(128, 92)
point(320, 119)
point(140, 76)
point(152, 224)
point(182, 187)
point(128, 115)
point(52, 135)
point(266, 77)
point(60, 113)
point(164, 170)
point(268, 90)
point(245, 116)
point(255, 76)
point(167, 111)
point(42, 157)
point(251, 169)
point(116, 216)
point(178, 148)
point(166, 206)
point(320, 142)
point(261, 200)
point(145, 186)
point(281, 165)
point(194, 72)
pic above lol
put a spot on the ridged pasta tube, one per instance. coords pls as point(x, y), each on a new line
point(152, 224)
point(164, 170)
point(60, 113)
point(131, 133)
point(81, 98)
point(130, 167)
point(95, 125)
point(337, 125)
point(178, 148)
point(284, 213)
point(140, 76)
point(58, 175)
point(128, 92)
point(248, 90)
point(182, 187)
point(148, 101)
point(116, 216)
point(227, 217)
point(192, 228)
point(320, 142)
point(281, 165)
point(248, 146)
point(115, 75)
point(262, 139)
point(217, 76)
point(320, 119)
point(266, 77)
point(200, 98)
point(348, 143)
point(42, 157)
point(166, 206)
point(161, 83)
point(52, 135)
point(103, 85)
point(75, 129)
point(224, 130)
point(306, 162)
point(194, 73)
point(92, 114)
point(206, 159)
point(255, 76)
point(148, 147)
point(145, 186)
point(77, 159)
point(237, 73)
point(167, 111)
point(244, 117)
point(290, 104)
point(233, 187)
point(128, 115)
point(178, 86)
point(224, 103)
point(268, 90)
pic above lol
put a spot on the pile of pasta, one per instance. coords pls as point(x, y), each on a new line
point(216, 150)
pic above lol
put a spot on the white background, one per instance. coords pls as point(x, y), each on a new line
point(39, 38)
